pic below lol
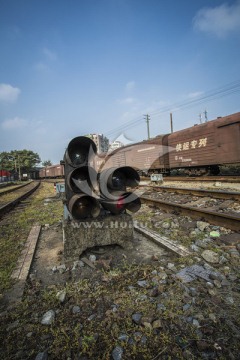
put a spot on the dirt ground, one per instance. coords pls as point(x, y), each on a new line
point(50, 255)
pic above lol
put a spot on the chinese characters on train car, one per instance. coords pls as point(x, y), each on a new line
point(189, 145)
point(193, 144)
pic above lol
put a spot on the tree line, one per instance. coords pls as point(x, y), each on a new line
point(20, 161)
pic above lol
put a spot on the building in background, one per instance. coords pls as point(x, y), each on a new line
point(115, 145)
point(101, 142)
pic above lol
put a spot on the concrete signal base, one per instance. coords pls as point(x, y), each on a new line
point(107, 230)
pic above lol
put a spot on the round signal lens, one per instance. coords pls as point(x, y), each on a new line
point(84, 206)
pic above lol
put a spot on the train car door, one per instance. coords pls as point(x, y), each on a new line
point(228, 142)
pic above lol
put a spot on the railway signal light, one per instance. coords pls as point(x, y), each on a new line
point(82, 183)
point(113, 183)
point(80, 178)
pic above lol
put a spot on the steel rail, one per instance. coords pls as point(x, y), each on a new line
point(234, 179)
point(7, 207)
point(218, 194)
point(52, 181)
point(224, 220)
point(230, 179)
point(163, 241)
point(6, 184)
point(4, 192)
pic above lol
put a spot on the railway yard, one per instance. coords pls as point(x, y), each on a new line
point(120, 180)
point(171, 293)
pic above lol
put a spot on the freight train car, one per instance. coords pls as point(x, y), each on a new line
point(146, 156)
point(53, 171)
point(198, 150)
point(202, 148)
point(5, 175)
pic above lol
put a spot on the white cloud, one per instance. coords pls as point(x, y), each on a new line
point(130, 86)
point(220, 20)
point(9, 93)
point(45, 64)
point(15, 123)
point(128, 99)
point(41, 67)
point(49, 54)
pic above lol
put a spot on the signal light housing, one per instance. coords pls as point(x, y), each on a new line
point(80, 178)
point(83, 206)
point(113, 183)
point(82, 182)
point(80, 151)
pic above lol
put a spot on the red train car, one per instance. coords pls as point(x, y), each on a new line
point(5, 175)
point(202, 148)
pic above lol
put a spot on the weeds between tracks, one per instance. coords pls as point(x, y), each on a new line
point(16, 226)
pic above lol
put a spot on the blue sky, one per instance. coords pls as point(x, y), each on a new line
point(72, 67)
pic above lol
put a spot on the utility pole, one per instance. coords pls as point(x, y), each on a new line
point(19, 169)
point(171, 123)
point(200, 118)
point(147, 117)
point(205, 113)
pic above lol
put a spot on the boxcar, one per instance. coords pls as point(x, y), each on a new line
point(202, 148)
point(145, 156)
point(52, 171)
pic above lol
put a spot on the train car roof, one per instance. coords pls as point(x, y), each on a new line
point(142, 142)
point(219, 122)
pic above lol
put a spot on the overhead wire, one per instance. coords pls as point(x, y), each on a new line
point(212, 94)
point(228, 89)
point(127, 124)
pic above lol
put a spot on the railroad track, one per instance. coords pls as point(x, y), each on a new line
point(229, 179)
point(216, 194)
point(52, 181)
point(13, 188)
point(162, 241)
point(234, 179)
point(5, 184)
point(22, 193)
point(224, 220)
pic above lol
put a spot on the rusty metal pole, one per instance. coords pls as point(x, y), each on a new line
point(171, 122)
